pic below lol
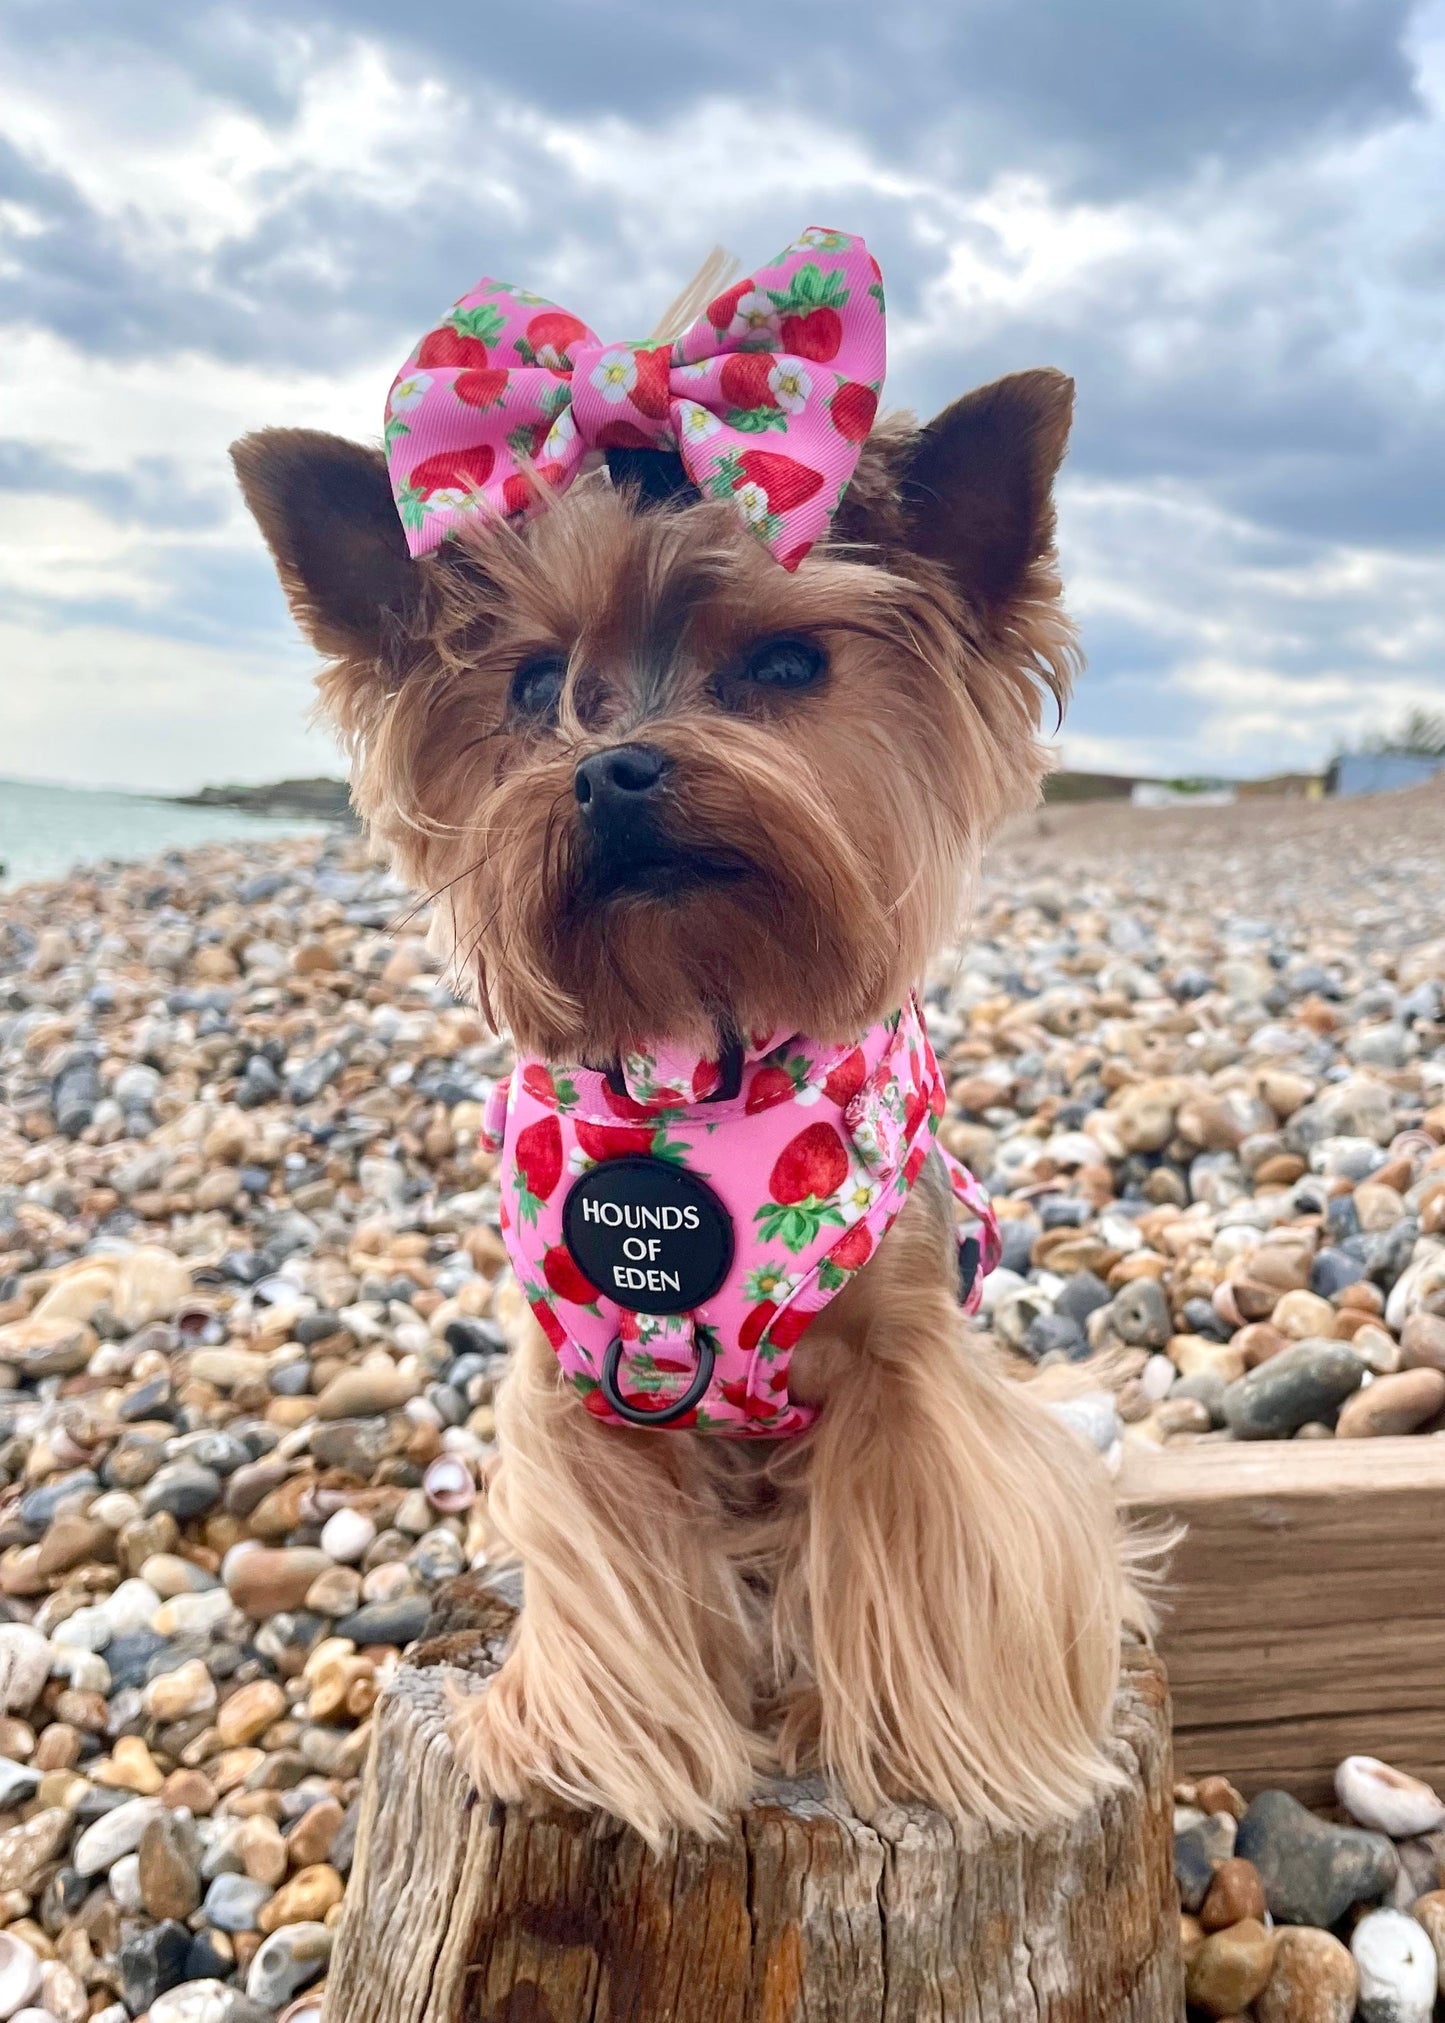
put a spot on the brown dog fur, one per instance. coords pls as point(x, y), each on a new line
point(924, 1594)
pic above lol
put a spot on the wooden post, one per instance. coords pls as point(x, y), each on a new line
point(1304, 1615)
point(462, 1911)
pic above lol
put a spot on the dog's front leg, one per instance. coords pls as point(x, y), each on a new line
point(954, 1579)
point(627, 1686)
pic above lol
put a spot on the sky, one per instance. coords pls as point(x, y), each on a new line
point(1223, 217)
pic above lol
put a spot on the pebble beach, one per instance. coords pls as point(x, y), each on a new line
point(254, 1307)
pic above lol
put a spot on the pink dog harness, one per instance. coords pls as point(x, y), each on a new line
point(677, 1224)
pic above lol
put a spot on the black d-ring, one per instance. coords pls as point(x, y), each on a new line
point(635, 1415)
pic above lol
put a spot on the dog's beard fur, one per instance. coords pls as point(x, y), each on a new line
point(924, 1595)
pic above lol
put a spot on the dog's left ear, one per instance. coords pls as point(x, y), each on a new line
point(325, 507)
point(974, 488)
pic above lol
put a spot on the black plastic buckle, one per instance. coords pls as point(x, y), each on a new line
point(731, 1064)
point(636, 1415)
point(970, 1256)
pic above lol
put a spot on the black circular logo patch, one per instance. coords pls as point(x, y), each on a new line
point(648, 1234)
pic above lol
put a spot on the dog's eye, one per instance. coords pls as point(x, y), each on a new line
point(785, 663)
point(537, 684)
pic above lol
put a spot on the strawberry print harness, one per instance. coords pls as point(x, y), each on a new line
point(677, 1224)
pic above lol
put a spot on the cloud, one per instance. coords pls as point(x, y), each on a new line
point(1225, 226)
point(1110, 96)
point(108, 706)
point(1226, 648)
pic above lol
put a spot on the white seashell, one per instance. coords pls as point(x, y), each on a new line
point(1223, 1301)
point(1398, 1974)
point(449, 1484)
point(24, 1666)
point(346, 1535)
point(1387, 1800)
point(33, 2016)
point(19, 1975)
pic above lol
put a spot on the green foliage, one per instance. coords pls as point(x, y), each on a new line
point(1419, 734)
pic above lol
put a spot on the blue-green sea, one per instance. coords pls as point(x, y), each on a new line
point(47, 831)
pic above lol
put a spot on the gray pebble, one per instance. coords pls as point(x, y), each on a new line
point(1301, 1384)
point(234, 1902)
point(287, 1962)
point(400, 1621)
point(1313, 1872)
point(1139, 1314)
point(182, 1488)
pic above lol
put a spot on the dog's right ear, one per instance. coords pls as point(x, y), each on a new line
point(325, 507)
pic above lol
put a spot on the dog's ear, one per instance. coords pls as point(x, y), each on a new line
point(325, 507)
point(973, 489)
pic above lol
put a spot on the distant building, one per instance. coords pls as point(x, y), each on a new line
point(1382, 772)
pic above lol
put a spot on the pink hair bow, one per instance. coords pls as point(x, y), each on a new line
point(767, 399)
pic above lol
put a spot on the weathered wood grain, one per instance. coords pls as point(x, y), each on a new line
point(465, 1912)
point(1306, 1605)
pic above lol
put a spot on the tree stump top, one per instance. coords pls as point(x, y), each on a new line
point(465, 1911)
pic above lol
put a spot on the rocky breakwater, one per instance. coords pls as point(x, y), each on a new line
point(247, 1356)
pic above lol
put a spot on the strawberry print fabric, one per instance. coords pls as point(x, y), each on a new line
point(813, 1159)
point(767, 399)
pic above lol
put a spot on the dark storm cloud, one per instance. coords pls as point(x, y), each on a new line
point(1245, 326)
point(304, 283)
point(1119, 89)
point(1137, 90)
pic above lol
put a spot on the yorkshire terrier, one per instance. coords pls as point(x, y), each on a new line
point(692, 691)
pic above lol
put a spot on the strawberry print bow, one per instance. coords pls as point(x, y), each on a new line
point(767, 399)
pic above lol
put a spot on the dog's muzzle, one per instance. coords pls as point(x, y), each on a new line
point(618, 795)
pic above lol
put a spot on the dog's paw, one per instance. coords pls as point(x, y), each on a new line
point(502, 1755)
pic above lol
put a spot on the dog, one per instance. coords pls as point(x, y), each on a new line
point(677, 791)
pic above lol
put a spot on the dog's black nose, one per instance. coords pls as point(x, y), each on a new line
point(617, 795)
point(613, 781)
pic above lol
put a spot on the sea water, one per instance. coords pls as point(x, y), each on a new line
point(47, 831)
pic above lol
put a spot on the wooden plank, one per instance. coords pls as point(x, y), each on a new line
point(1300, 1756)
point(1312, 1676)
point(1305, 1606)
